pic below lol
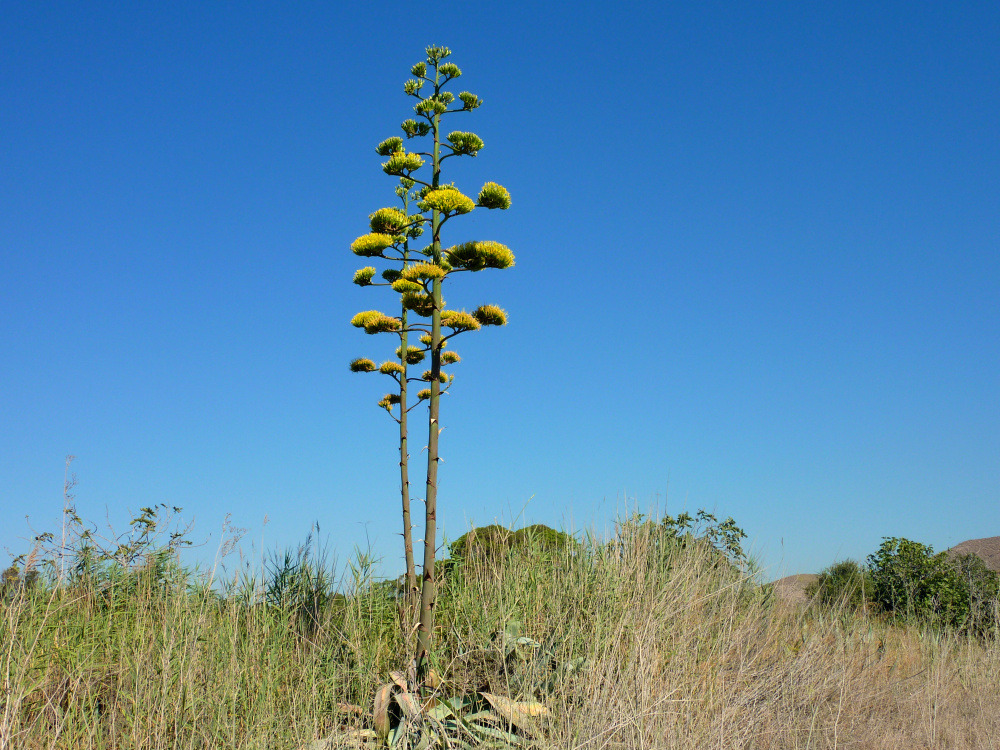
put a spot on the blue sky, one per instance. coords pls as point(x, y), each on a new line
point(757, 268)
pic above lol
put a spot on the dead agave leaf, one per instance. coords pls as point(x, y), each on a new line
point(399, 678)
point(383, 697)
point(519, 713)
point(409, 703)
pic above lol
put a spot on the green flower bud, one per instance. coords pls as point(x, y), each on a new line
point(389, 146)
point(391, 275)
point(446, 97)
point(419, 70)
point(430, 107)
point(391, 368)
point(450, 358)
point(471, 101)
point(459, 320)
point(423, 271)
point(409, 127)
point(414, 354)
point(490, 315)
point(362, 365)
point(442, 378)
point(401, 162)
point(449, 69)
point(370, 245)
point(412, 87)
point(447, 200)
point(494, 196)
point(465, 143)
point(434, 54)
point(363, 276)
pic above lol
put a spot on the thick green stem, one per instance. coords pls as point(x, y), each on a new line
point(428, 594)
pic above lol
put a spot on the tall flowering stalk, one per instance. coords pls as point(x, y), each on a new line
point(419, 278)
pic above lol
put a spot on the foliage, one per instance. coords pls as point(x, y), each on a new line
point(673, 536)
point(845, 583)
point(592, 644)
point(490, 542)
point(909, 581)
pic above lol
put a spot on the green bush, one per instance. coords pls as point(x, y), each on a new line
point(910, 581)
point(845, 583)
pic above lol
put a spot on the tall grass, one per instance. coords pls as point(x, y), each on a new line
point(683, 651)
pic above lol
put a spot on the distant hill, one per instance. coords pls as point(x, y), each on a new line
point(792, 589)
point(988, 549)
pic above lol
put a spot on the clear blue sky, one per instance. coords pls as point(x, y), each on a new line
point(758, 267)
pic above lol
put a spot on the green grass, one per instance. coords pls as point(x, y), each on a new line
point(684, 650)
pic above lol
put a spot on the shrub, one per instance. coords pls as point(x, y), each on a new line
point(910, 581)
point(844, 583)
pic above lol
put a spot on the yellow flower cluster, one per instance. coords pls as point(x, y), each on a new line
point(447, 200)
point(475, 256)
point(459, 320)
point(490, 315)
point(387, 221)
point(391, 368)
point(423, 271)
point(363, 276)
point(374, 321)
point(414, 354)
point(401, 162)
point(494, 195)
point(368, 245)
point(362, 364)
point(421, 304)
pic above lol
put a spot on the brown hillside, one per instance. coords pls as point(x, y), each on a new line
point(988, 549)
point(792, 589)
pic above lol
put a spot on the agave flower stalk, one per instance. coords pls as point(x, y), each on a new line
point(382, 221)
point(420, 284)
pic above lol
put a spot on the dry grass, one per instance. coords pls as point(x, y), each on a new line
point(684, 652)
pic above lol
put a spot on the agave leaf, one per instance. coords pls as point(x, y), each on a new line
point(511, 740)
point(518, 713)
point(409, 704)
point(456, 705)
point(396, 735)
point(525, 648)
point(400, 679)
point(481, 716)
point(383, 697)
point(438, 712)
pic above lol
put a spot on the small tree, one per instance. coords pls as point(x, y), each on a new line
point(419, 282)
point(909, 580)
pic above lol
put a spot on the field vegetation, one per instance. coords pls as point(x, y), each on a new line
point(658, 637)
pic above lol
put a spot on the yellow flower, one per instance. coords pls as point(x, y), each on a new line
point(447, 200)
point(368, 245)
